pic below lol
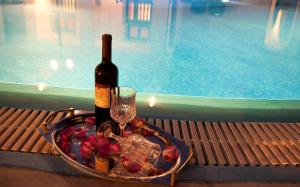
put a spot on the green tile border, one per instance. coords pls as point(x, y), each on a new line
point(167, 106)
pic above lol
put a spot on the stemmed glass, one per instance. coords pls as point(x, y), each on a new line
point(123, 107)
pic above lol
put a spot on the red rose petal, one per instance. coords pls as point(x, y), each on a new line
point(68, 131)
point(131, 166)
point(80, 133)
point(170, 153)
point(90, 120)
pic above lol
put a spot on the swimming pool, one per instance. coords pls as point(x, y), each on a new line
point(198, 59)
point(231, 49)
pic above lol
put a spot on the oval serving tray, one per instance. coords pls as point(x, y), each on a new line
point(76, 118)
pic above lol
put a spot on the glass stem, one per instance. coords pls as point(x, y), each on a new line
point(122, 128)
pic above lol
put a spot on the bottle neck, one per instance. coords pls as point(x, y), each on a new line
point(106, 51)
point(106, 59)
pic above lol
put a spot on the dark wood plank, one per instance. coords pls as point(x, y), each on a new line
point(10, 120)
point(256, 147)
point(269, 143)
point(3, 110)
point(208, 150)
point(158, 123)
point(27, 134)
point(283, 143)
point(220, 156)
point(34, 140)
point(167, 126)
point(16, 135)
point(250, 154)
point(9, 136)
point(240, 157)
point(227, 145)
point(176, 129)
point(199, 153)
point(6, 115)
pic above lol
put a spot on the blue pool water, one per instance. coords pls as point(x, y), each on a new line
point(214, 48)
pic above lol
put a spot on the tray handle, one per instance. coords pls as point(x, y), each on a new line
point(175, 173)
point(44, 125)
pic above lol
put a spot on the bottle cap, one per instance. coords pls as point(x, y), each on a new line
point(107, 37)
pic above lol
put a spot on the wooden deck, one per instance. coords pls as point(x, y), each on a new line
point(223, 145)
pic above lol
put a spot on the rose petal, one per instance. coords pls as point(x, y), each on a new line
point(90, 120)
point(127, 133)
point(80, 133)
point(86, 150)
point(170, 153)
point(68, 131)
point(131, 166)
point(114, 149)
point(147, 132)
point(65, 147)
point(102, 146)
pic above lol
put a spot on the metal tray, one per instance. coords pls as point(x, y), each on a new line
point(77, 118)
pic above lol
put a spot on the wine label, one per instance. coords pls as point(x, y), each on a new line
point(102, 95)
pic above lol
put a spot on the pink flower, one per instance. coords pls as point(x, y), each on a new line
point(102, 145)
point(130, 165)
point(90, 120)
point(170, 153)
point(86, 150)
point(114, 149)
point(68, 131)
point(80, 133)
point(147, 132)
point(127, 133)
point(65, 147)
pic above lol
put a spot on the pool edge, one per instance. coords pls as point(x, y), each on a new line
point(166, 106)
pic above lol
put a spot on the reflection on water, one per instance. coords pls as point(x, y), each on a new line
point(138, 15)
point(159, 46)
point(281, 23)
point(212, 7)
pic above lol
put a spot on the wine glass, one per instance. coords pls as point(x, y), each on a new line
point(123, 107)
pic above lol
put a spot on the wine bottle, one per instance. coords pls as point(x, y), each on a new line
point(106, 77)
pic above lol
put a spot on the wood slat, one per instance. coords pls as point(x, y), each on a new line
point(167, 126)
point(176, 129)
point(6, 115)
point(262, 143)
point(15, 136)
point(216, 145)
point(288, 131)
point(150, 121)
point(227, 146)
point(199, 154)
point(283, 143)
point(292, 130)
point(29, 131)
point(187, 138)
point(256, 148)
point(32, 141)
point(234, 145)
point(249, 154)
point(158, 123)
point(10, 120)
point(277, 142)
point(268, 141)
point(42, 144)
point(2, 110)
point(208, 150)
point(9, 131)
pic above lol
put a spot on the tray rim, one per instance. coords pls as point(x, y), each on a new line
point(173, 170)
